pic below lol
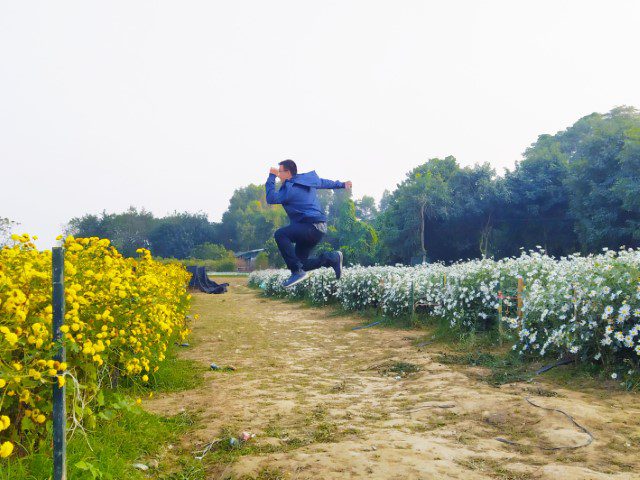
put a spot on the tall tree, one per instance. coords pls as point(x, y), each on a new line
point(535, 210)
point(440, 212)
point(356, 238)
point(423, 195)
point(366, 208)
point(128, 231)
point(603, 176)
point(627, 185)
point(172, 236)
point(178, 234)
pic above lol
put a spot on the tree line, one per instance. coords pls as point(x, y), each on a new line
point(575, 191)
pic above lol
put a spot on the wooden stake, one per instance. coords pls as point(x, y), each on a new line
point(413, 302)
point(520, 290)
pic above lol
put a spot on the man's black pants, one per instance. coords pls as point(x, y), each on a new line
point(305, 236)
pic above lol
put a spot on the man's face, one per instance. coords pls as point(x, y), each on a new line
point(283, 174)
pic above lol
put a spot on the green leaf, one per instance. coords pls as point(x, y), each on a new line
point(88, 467)
point(82, 465)
point(27, 424)
point(107, 414)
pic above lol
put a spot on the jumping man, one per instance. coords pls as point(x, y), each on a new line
point(307, 221)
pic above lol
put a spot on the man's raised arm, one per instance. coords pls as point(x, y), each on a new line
point(324, 183)
point(274, 196)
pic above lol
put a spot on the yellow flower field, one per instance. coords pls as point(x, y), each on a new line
point(121, 316)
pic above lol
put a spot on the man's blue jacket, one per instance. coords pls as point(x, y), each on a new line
point(298, 196)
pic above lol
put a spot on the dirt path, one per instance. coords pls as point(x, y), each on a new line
point(322, 405)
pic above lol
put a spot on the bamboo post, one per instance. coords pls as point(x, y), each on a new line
point(575, 304)
point(413, 301)
point(500, 330)
point(380, 294)
point(519, 297)
point(59, 405)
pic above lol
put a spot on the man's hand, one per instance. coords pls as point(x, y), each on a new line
point(348, 184)
point(275, 171)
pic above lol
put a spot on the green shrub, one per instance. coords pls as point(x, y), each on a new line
point(262, 261)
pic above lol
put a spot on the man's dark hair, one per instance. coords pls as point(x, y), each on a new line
point(290, 166)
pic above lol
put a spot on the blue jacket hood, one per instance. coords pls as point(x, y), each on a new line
point(309, 179)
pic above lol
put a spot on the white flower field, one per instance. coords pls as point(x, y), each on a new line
point(584, 307)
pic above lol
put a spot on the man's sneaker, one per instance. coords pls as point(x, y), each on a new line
point(295, 278)
point(335, 260)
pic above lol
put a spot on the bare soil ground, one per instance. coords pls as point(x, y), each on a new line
point(326, 402)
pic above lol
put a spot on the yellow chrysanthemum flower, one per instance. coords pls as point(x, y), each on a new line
point(6, 449)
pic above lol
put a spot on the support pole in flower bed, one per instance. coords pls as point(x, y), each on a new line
point(500, 329)
point(519, 297)
point(380, 296)
point(59, 406)
point(413, 302)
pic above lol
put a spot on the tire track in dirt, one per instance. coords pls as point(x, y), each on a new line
point(307, 385)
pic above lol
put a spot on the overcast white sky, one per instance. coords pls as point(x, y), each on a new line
point(173, 105)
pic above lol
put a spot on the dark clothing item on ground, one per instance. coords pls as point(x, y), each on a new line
point(298, 196)
point(305, 236)
point(201, 281)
